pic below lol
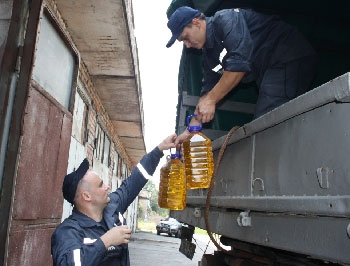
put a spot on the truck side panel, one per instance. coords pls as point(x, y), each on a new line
point(283, 181)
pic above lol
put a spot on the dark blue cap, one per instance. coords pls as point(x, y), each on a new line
point(179, 20)
point(71, 181)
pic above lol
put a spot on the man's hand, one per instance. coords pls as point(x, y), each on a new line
point(195, 120)
point(116, 236)
point(180, 138)
point(205, 108)
point(168, 143)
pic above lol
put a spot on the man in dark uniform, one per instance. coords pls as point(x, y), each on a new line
point(241, 45)
point(94, 234)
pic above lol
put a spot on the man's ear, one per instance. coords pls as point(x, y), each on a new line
point(196, 21)
point(86, 196)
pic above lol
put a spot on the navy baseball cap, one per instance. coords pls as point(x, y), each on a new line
point(71, 181)
point(179, 20)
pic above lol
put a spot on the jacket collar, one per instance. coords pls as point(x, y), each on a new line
point(82, 219)
point(86, 221)
point(209, 41)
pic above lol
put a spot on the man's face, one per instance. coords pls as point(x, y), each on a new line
point(98, 190)
point(193, 35)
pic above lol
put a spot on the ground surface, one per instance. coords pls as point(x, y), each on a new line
point(149, 249)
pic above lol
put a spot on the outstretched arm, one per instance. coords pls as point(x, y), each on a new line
point(131, 186)
point(205, 108)
point(168, 143)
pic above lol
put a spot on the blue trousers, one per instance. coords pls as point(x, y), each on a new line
point(283, 82)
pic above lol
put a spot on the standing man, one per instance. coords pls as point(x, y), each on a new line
point(241, 45)
point(94, 234)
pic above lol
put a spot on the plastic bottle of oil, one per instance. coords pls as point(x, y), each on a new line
point(172, 185)
point(163, 184)
point(198, 157)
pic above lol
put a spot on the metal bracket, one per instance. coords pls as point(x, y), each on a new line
point(322, 176)
point(197, 212)
point(258, 183)
point(244, 219)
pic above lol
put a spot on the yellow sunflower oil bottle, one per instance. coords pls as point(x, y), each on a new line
point(163, 184)
point(172, 186)
point(198, 157)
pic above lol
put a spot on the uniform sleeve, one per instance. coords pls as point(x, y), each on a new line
point(235, 36)
point(232, 38)
point(138, 178)
point(69, 248)
point(151, 160)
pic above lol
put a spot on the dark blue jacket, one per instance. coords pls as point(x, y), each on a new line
point(77, 238)
point(253, 42)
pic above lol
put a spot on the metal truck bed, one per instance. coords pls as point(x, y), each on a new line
point(284, 181)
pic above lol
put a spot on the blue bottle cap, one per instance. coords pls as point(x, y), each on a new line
point(194, 128)
point(175, 156)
